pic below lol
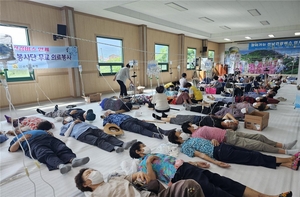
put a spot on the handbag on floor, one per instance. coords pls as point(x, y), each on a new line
point(210, 90)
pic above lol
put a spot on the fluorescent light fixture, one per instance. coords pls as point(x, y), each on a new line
point(297, 33)
point(225, 27)
point(227, 39)
point(206, 19)
point(271, 36)
point(176, 6)
point(254, 12)
point(247, 37)
point(265, 22)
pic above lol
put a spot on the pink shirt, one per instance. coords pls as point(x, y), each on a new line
point(210, 133)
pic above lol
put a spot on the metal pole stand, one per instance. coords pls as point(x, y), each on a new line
point(133, 100)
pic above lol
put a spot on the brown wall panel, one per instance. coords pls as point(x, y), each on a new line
point(55, 82)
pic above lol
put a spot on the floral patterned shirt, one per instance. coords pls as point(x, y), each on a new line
point(163, 167)
point(32, 122)
point(197, 144)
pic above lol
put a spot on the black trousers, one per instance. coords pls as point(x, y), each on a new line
point(98, 138)
point(233, 154)
point(50, 151)
point(213, 185)
point(138, 126)
point(123, 89)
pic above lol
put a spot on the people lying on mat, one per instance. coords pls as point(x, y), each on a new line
point(47, 149)
point(225, 122)
point(24, 124)
point(237, 110)
point(248, 141)
point(159, 100)
point(164, 164)
point(168, 169)
point(262, 106)
point(76, 113)
point(236, 99)
point(137, 184)
point(117, 105)
point(230, 91)
point(219, 153)
point(128, 123)
point(194, 93)
point(205, 107)
point(92, 135)
point(214, 184)
point(267, 98)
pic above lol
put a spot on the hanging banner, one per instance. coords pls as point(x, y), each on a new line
point(44, 57)
point(280, 44)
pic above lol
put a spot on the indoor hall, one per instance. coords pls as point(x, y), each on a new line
point(144, 31)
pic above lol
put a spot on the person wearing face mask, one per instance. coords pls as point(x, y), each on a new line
point(92, 183)
point(174, 170)
point(47, 149)
point(211, 120)
point(92, 135)
point(163, 166)
point(248, 141)
point(219, 153)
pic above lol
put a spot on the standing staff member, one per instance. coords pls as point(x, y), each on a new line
point(121, 77)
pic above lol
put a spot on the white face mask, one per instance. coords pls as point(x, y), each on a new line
point(243, 110)
point(228, 121)
point(68, 119)
point(147, 150)
point(195, 126)
point(184, 136)
point(96, 177)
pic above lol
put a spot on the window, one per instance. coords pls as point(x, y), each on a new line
point(13, 35)
point(191, 59)
point(211, 55)
point(162, 56)
point(110, 55)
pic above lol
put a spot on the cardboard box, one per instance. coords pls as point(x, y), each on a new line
point(92, 98)
point(257, 120)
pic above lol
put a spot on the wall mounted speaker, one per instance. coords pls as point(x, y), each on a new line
point(61, 31)
point(204, 49)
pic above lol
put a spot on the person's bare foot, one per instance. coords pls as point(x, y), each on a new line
point(210, 97)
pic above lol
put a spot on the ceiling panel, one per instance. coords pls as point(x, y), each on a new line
point(284, 16)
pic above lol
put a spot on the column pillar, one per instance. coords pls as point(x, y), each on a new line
point(73, 73)
point(143, 55)
point(181, 55)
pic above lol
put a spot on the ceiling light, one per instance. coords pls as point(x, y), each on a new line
point(297, 34)
point(206, 19)
point(225, 27)
point(254, 12)
point(176, 6)
point(247, 37)
point(265, 22)
point(271, 36)
point(227, 39)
